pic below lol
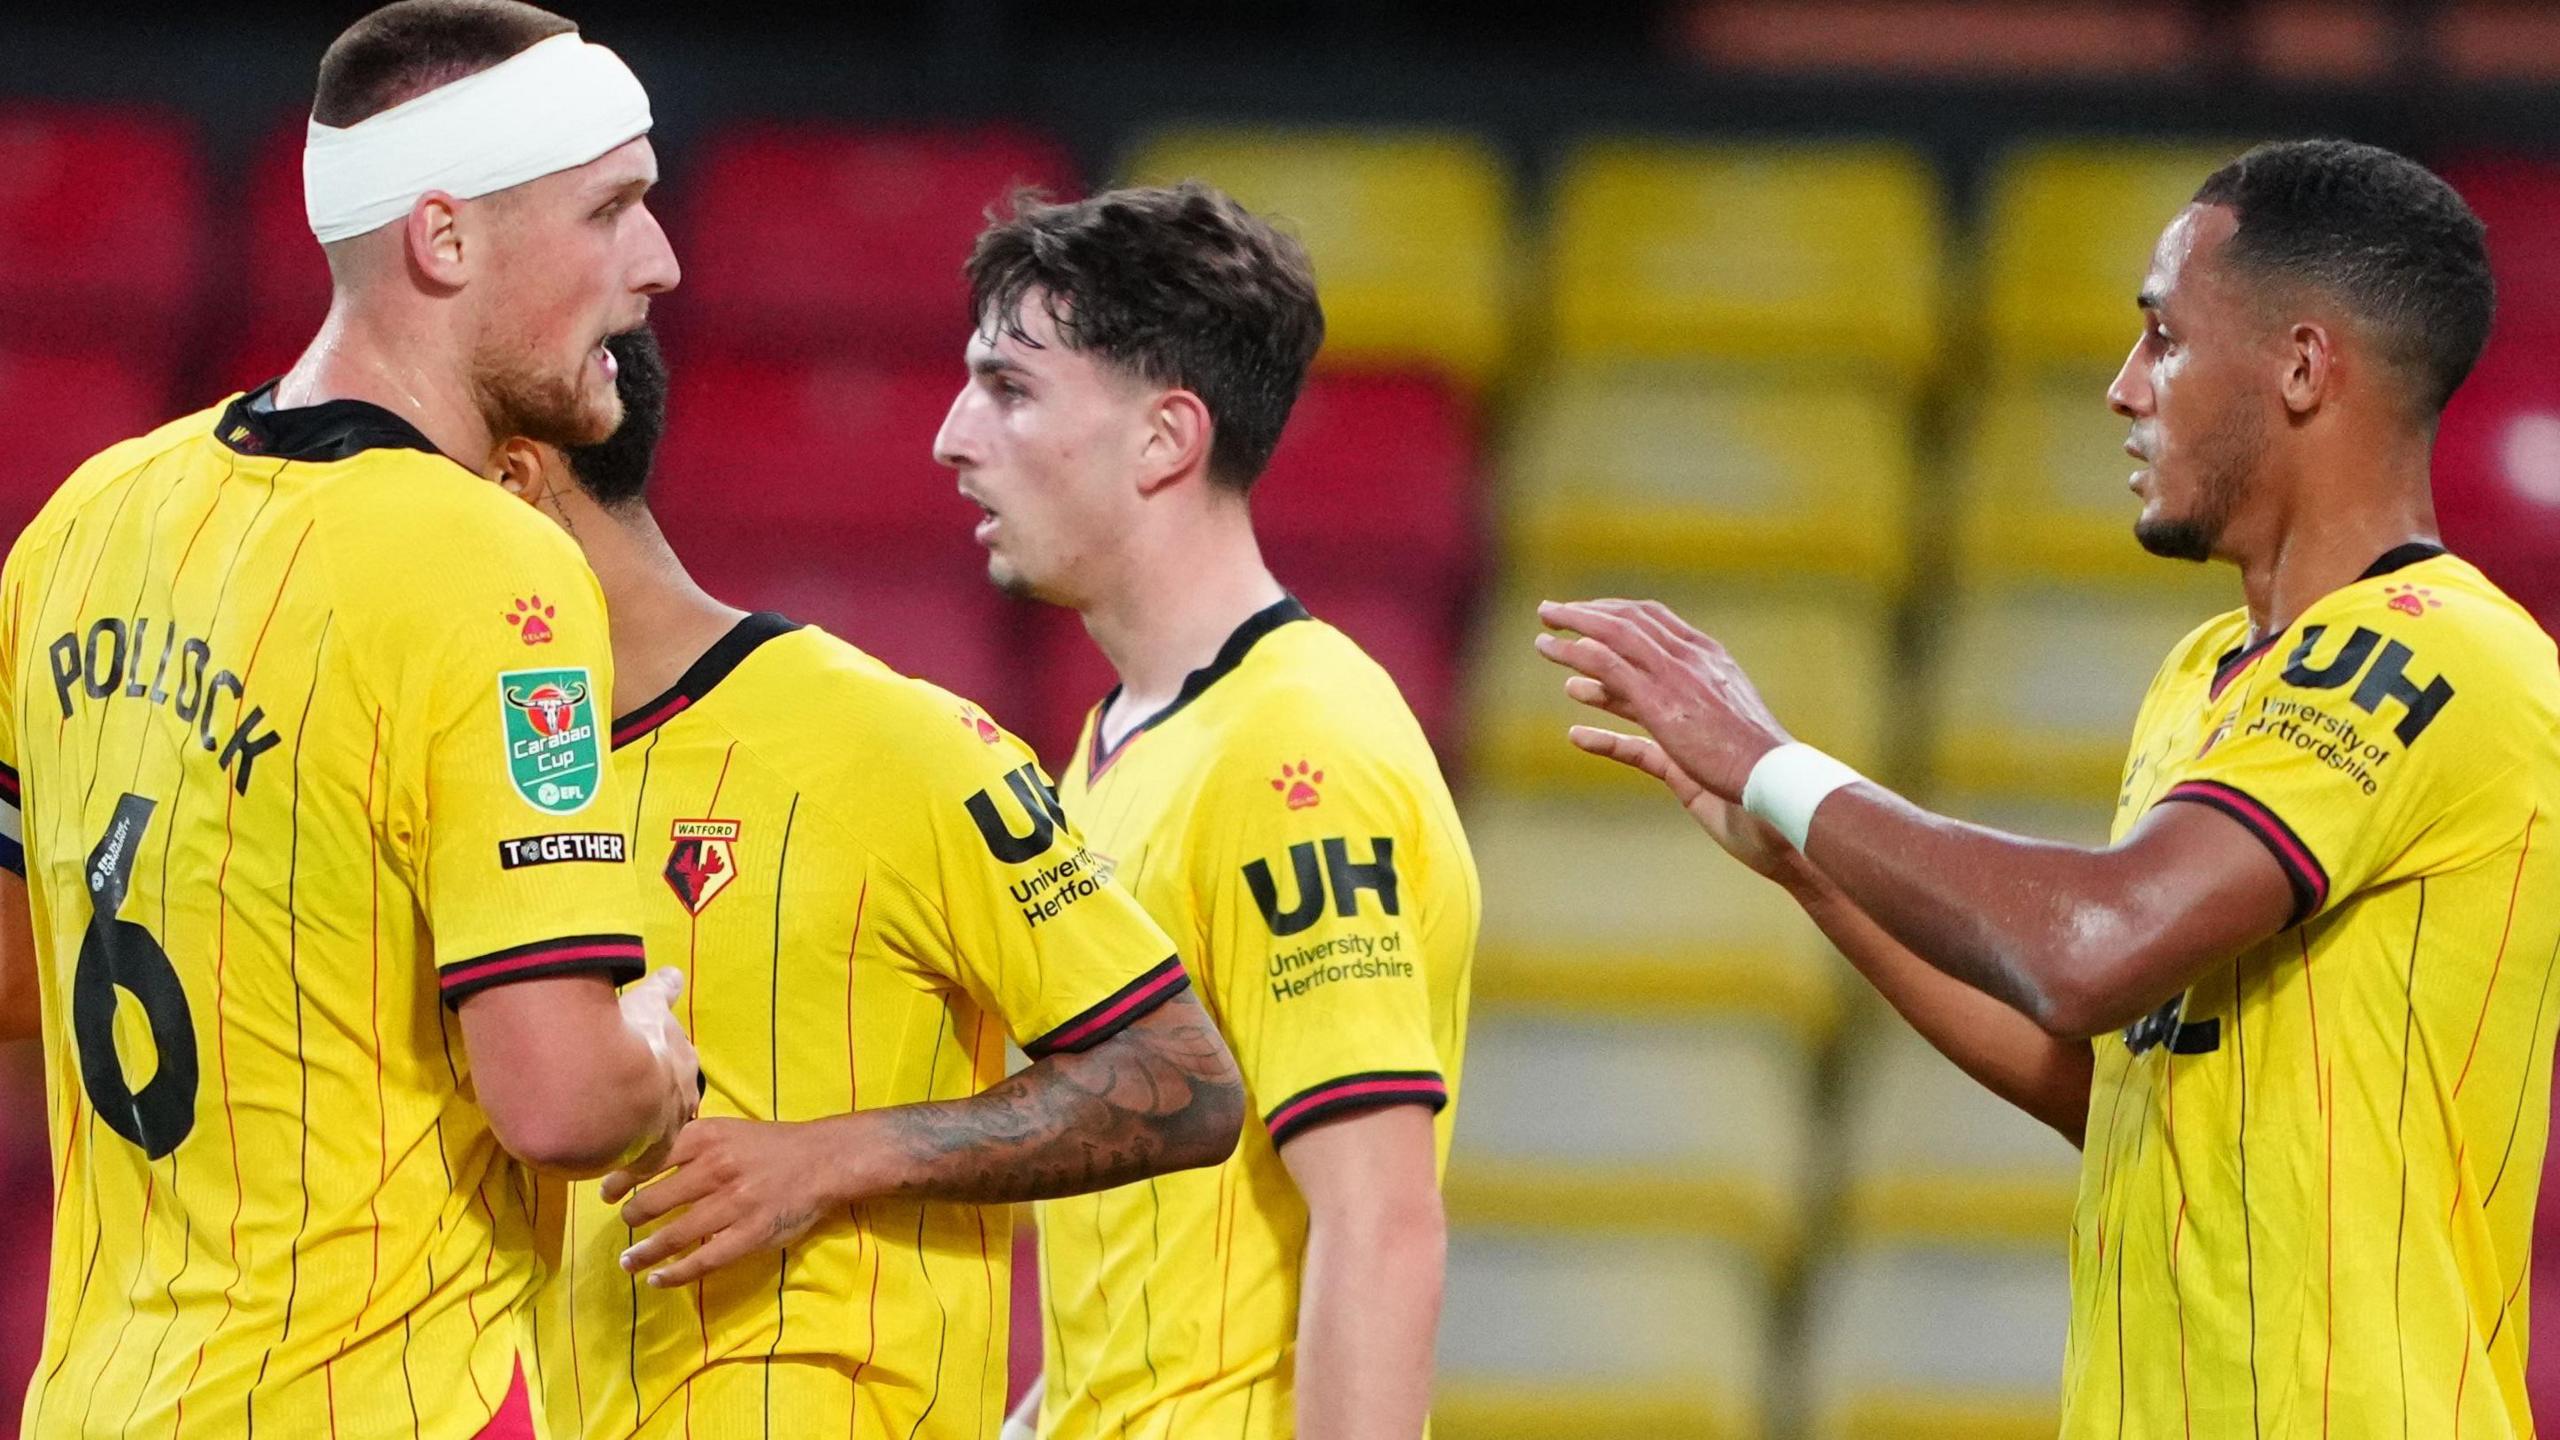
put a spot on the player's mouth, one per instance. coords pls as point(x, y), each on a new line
point(2134, 482)
point(987, 519)
point(605, 362)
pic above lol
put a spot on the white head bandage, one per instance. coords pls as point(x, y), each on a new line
point(553, 107)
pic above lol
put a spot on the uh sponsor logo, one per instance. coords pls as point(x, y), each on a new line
point(555, 750)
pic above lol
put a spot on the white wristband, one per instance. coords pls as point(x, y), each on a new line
point(1790, 783)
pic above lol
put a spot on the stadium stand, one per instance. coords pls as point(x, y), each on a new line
point(102, 225)
point(1670, 1335)
point(2067, 232)
point(1829, 256)
point(816, 240)
point(1790, 387)
point(1410, 232)
point(1675, 469)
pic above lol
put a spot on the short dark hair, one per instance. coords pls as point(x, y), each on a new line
point(1179, 284)
point(2379, 232)
point(615, 470)
point(404, 50)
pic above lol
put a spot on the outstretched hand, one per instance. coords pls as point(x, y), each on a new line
point(1744, 836)
point(1637, 660)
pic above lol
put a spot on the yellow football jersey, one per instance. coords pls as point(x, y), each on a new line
point(2308, 1190)
point(1285, 820)
point(869, 887)
point(288, 691)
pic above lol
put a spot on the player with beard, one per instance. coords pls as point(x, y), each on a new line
point(1260, 784)
point(289, 717)
point(2297, 1014)
point(870, 888)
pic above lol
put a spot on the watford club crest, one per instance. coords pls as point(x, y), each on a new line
point(704, 861)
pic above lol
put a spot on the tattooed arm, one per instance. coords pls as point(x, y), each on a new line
point(1160, 1095)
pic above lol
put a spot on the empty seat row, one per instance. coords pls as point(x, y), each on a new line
point(1679, 1335)
point(816, 239)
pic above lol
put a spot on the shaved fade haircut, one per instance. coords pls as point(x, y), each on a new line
point(2378, 232)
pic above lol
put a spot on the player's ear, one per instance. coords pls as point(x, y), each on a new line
point(2311, 366)
point(1177, 442)
point(520, 472)
point(433, 236)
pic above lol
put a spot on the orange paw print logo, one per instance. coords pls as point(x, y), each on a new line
point(976, 719)
point(1299, 784)
point(532, 620)
point(2411, 600)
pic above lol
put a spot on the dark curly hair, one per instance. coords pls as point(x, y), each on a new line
point(615, 470)
point(1178, 284)
point(2382, 234)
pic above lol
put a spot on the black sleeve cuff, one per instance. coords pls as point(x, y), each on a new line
point(1364, 1091)
point(2301, 868)
point(1114, 1012)
point(619, 958)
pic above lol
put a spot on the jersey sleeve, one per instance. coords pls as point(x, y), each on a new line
point(1317, 975)
point(523, 859)
point(2340, 758)
point(1031, 923)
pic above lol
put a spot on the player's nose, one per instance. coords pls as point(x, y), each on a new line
point(950, 443)
point(659, 272)
point(2129, 394)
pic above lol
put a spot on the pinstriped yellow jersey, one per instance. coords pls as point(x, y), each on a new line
point(870, 888)
point(1285, 820)
point(285, 689)
point(2307, 1199)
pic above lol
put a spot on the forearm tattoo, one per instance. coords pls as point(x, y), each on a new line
point(1160, 1095)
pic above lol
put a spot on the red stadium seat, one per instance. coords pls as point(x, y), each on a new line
point(1372, 466)
point(816, 240)
point(837, 455)
point(285, 279)
point(2497, 473)
point(88, 403)
point(2520, 201)
point(102, 213)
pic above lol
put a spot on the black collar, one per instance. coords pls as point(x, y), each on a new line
point(2401, 557)
point(330, 430)
point(1286, 610)
point(2398, 557)
point(712, 667)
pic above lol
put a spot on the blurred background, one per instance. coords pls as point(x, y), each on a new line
point(1797, 314)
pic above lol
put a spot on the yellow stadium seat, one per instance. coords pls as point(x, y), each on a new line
point(1670, 1123)
point(1681, 468)
point(2068, 230)
point(1621, 903)
point(1830, 253)
point(2043, 482)
point(1931, 1156)
point(1410, 232)
point(1821, 655)
point(1550, 1334)
point(1939, 1344)
point(2037, 685)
